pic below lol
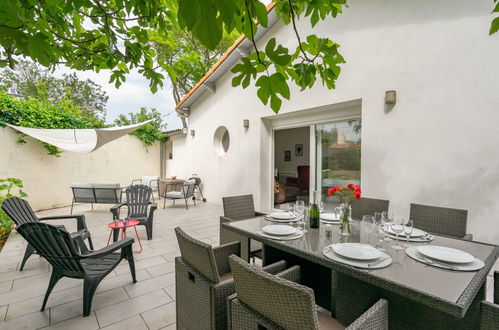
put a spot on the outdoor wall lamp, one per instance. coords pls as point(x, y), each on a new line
point(193, 132)
point(246, 123)
point(390, 97)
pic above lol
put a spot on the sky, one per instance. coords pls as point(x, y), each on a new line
point(131, 95)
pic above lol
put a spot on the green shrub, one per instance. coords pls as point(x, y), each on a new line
point(9, 187)
point(44, 114)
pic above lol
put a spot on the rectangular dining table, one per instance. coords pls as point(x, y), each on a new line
point(420, 296)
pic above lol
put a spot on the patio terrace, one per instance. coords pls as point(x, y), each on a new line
point(118, 303)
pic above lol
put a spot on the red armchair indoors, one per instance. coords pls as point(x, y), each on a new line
point(302, 181)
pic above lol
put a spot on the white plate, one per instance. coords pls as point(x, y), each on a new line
point(298, 234)
point(281, 215)
point(385, 260)
point(445, 254)
point(415, 232)
point(329, 217)
point(472, 266)
point(356, 251)
point(279, 230)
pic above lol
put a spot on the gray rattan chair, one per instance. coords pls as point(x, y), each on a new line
point(238, 208)
point(203, 282)
point(440, 220)
point(21, 212)
point(490, 311)
point(271, 302)
point(58, 248)
point(186, 193)
point(368, 206)
point(138, 200)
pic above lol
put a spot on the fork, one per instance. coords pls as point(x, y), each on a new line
point(377, 262)
point(440, 264)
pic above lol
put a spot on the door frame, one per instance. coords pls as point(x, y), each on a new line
point(303, 118)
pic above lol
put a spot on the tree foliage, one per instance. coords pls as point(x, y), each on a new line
point(44, 114)
point(186, 58)
point(149, 133)
point(9, 187)
point(495, 23)
point(85, 34)
point(33, 81)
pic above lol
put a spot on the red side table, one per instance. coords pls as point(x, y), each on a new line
point(120, 225)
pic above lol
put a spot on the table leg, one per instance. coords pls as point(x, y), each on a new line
point(109, 238)
point(138, 239)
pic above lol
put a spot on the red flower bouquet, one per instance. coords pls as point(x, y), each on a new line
point(345, 196)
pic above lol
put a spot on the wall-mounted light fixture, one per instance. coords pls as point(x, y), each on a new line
point(246, 123)
point(193, 132)
point(390, 97)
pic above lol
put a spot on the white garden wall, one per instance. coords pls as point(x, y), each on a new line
point(438, 145)
point(47, 178)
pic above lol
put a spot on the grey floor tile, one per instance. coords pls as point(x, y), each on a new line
point(132, 323)
point(160, 317)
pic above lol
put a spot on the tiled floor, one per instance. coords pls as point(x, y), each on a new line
point(118, 303)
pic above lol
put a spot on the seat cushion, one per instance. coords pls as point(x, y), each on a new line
point(174, 194)
point(326, 321)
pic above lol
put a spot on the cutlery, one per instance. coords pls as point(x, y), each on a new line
point(377, 262)
point(440, 264)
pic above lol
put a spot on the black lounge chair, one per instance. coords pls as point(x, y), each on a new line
point(137, 201)
point(58, 248)
point(21, 212)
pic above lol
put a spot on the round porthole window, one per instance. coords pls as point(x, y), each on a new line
point(221, 140)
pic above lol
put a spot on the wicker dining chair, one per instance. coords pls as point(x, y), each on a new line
point(272, 302)
point(203, 282)
point(237, 208)
point(20, 212)
point(440, 220)
point(139, 207)
point(368, 206)
point(58, 248)
point(490, 311)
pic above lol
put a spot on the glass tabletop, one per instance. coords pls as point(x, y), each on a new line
point(445, 284)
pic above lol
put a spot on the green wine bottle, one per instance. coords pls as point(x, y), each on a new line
point(314, 211)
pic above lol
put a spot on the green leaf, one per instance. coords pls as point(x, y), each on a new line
point(495, 26)
point(261, 13)
point(264, 89)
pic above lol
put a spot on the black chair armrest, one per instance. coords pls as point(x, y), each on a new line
point(136, 180)
point(115, 210)
point(468, 237)
point(80, 219)
point(276, 267)
point(110, 248)
point(222, 254)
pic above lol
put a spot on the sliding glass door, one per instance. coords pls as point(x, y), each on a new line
point(337, 154)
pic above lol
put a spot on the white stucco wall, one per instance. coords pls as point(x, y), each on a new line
point(47, 178)
point(438, 145)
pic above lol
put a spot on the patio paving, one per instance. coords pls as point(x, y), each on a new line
point(118, 303)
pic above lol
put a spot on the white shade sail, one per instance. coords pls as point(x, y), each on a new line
point(78, 140)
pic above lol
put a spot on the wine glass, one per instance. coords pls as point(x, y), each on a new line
point(291, 210)
point(386, 221)
point(381, 236)
point(397, 226)
point(300, 207)
point(408, 227)
point(368, 225)
point(321, 206)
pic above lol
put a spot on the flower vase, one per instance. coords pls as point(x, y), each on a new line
point(345, 212)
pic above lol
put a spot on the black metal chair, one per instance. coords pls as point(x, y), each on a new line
point(237, 208)
point(441, 220)
point(59, 249)
point(21, 212)
point(490, 311)
point(138, 199)
point(186, 193)
point(368, 206)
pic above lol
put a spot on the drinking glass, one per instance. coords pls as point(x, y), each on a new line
point(397, 226)
point(377, 218)
point(381, 236)
point(321, 206)
point(386, 221)
point(291, 210)
point(408, 226)
point(300, 207)
point(368, 225)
